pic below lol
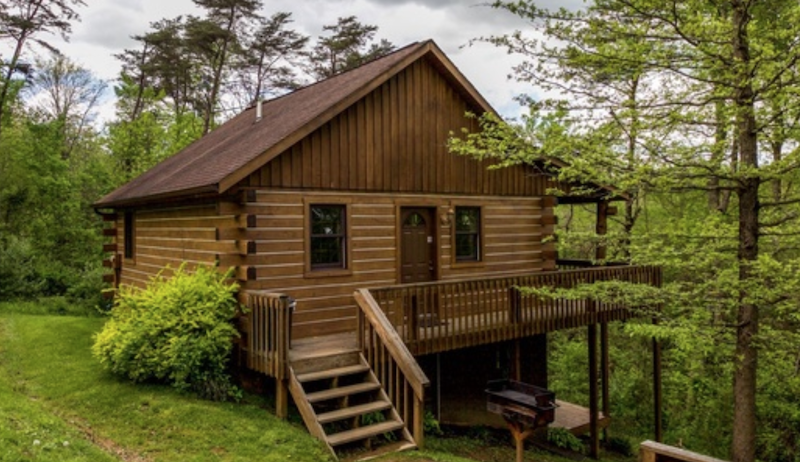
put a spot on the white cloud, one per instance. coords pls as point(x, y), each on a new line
point(108, 25)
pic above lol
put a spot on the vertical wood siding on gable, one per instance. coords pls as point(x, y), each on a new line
point(394, 140)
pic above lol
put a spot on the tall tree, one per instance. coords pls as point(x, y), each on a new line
point(717, 66)
point(22, 21)
point(155, 133)
point(67, 94)
point(215, 38)
point(348, 44)
point(267, 62)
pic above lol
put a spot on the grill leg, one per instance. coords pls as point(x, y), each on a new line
point(520, 433)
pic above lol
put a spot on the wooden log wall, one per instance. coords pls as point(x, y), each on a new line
point(170, 236)
point(272, 230)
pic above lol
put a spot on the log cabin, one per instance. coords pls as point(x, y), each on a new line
point(379, 270)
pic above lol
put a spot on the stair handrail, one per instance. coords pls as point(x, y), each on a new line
point(370, 312)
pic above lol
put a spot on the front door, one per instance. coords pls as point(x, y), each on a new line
point(417, 252)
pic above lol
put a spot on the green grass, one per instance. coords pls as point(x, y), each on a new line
point(28, 432)
point(47, 370)
point(60, 306)
point(58, 404)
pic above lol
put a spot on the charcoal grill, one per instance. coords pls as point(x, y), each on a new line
point(524, 407)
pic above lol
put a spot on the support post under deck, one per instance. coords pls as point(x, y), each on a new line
point(594, 437)
point(281, 398)
point(657, 388)
point(604, 375)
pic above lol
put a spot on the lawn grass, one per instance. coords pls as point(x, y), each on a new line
point(47, 358)
point(53, 391)
point(29, 432)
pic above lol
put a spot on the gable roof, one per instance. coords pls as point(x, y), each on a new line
point(220, 159)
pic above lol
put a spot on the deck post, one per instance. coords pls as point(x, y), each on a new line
point(419, 421)
point(604, 374)
point(657, 376)
point(601, 228)
point(594, 440)
point(657, 388)
point(281, 398)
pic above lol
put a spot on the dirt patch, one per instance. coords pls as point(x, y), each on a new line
point(107, 445)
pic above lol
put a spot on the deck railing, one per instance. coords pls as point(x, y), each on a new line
point(650, 451)
point(268, 333)
point(445, 315)
point(395, 367)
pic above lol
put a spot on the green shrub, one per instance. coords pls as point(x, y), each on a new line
point(177, 330)
point(87, 288)
point(18, 278)
point(620, 445)
point(563, 439)
point(430, 425)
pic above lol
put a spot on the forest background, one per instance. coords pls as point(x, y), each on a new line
point(689, 108)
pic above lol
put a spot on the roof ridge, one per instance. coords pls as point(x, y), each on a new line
point(318, 82)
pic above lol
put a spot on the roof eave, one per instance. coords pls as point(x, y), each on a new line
point(195, 194)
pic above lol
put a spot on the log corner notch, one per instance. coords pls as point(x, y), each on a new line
point(113, 261)
point(238, 219)
point(241, 217)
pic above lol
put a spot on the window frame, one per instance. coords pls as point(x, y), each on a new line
point(480, 235)
point(129, 235)
point(326, 270)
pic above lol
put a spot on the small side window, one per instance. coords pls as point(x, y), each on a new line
point(328, 237)
point(468, 233)
point(129, 235)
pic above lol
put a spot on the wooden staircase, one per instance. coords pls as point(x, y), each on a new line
point(343, 404)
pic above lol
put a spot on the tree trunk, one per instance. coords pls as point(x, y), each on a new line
point(745, 360)
point(7, 78)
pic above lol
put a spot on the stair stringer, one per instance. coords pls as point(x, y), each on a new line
point(307, 411)
point(311, 419)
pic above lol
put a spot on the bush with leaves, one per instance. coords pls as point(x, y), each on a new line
point(562, 438)
point(178, 330)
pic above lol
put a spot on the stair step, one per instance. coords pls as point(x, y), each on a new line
point(396, 446)
point(339, 392)
point(331, 373)
point(353, 411)
point(361, 433)
point(313, 361)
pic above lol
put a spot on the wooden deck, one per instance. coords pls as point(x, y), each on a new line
point(575, 418)
point(447, 315)
point(396, 325)
point(470, 409)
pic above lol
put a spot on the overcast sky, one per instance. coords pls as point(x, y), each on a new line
point(107, 25)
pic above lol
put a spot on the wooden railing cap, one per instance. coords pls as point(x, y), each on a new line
point(649, 448)
point(265, 294)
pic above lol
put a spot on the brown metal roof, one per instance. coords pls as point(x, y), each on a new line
point(215, 162)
